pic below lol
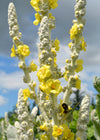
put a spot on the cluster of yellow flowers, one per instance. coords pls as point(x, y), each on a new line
point(62, 130)
point(75, 30)
point(79, 65)
point(38, 18)
point(53, 4)
point(44, 127)
point(45, 137)
point(21, 50)
point(47, 84)
point(35, 4)
point(13, 52)
point(51, 17)
point(58, 131)
point(33, 66)
point(51, 86)
point(77, 82)
point(26, 94)
point(74, 34)
point(43, 73)
point(55, 47)
point(83, 44)
point(56, 44)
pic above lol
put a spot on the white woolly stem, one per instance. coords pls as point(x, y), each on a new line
point(80, 6)
point(24, 126)
point(83, 118)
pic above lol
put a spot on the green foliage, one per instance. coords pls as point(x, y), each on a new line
point(12, 118)
point(36, 133)
point(90, 132)
point(96, 83)
point(73, 124)
point(98, 105)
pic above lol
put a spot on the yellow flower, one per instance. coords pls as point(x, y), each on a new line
point(38, 19)
point(57, 131)
point(44, 127)
point(30, 130)
point(17, 105)
point(83, 45)
point(50, 16)
point(53, 86)
point(34, 84)
point(67, 134)
point(53, 3)
point(56, 44)
point(23, 50)
point(33, 66)
point(79, 65)
point(75, 30)
point(42, 86)
point(34, 4)
point(44, 137)
point(70, 44)
point(53, 51)
point(13, 53)
point(44, 72)
point(55, 59)
point(78, 138)
point(78, 82)
point(67, 61)
point(66, 75)
point(16, 40)
point(43, 51)
point(47, 97)
point(65, 131)
point(26, 93)
point(49, 59)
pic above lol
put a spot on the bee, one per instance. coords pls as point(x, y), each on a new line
point(68, 109)
point(65, 107)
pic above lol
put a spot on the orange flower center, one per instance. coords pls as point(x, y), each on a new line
point(42, 71)
point(53, 86)
point(24, 50)
point(59, 131)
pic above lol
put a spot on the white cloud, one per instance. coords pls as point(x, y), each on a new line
point(84, 88)
point(84, 76)
point(63, 54)
point(3, 100)
point(12, 80)
point(4, 91)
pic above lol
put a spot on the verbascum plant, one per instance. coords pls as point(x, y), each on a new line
point(24, 126)
point(3, 131)
point(95, 115)
point(4, 124)
point(53, 115)
point(83, 118)
point(75, 65)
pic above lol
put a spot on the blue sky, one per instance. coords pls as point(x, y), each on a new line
point(11, 75)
